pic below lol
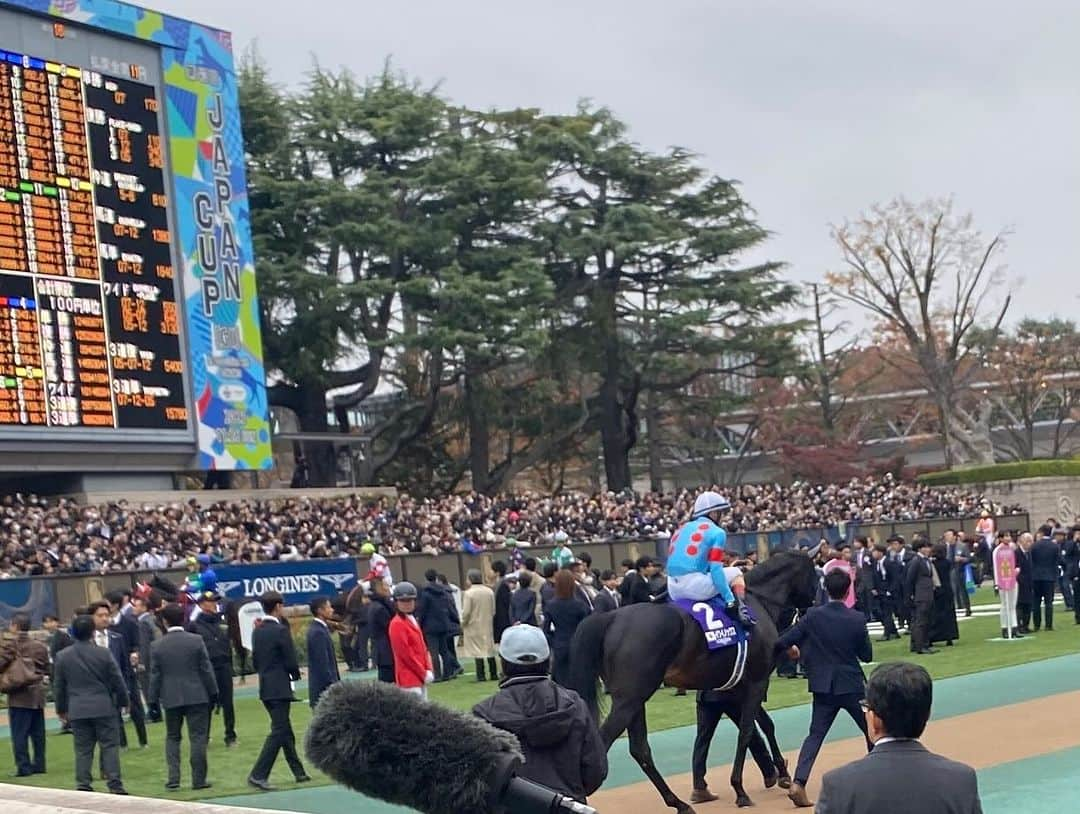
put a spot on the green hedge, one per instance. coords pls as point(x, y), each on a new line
point(1019, 470)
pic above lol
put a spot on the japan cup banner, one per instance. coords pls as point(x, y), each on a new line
point(298, 582)
point(212, 223)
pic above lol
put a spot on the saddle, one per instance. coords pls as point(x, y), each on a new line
point(720, 630)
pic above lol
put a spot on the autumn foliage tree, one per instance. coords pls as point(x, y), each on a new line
point(1035, 373)
point(927, 276)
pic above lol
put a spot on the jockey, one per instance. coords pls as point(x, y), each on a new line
point(378, 567)
point(201, 576)
point(562, 556)
point(695, 565)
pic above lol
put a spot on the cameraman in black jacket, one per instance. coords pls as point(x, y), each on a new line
point(209, 624)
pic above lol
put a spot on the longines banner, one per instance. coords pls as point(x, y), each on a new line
point(298, 582)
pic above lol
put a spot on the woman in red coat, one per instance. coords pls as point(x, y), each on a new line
point(412, 663)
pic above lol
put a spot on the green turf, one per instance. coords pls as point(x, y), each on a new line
point(144, 771)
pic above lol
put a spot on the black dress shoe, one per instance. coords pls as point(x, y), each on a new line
point(173, 786)
point(261, 785)
point(303, 778)
point(202, 786)
point(20, 774)
point(927, 651)
point(120, 790)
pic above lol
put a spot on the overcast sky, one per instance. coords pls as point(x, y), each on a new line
point(820, 108)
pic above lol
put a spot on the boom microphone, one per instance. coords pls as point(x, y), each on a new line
point(394, 746)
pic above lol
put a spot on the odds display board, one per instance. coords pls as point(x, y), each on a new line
point(128, 310)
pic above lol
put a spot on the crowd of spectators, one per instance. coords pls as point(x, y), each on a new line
point(47, 536)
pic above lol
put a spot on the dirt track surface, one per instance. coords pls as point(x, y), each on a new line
point(980, 739)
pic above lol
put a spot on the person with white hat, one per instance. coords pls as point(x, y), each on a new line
point(560, 741)
point(695, 564)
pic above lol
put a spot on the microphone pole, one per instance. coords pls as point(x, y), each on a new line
point(511, 794)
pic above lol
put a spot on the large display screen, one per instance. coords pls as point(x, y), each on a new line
point(128, 309)
point(89, 332)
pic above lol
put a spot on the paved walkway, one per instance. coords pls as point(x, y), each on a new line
point(1035, 699)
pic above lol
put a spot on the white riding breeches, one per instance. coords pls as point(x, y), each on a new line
point(1007, 611)
point(698, 586)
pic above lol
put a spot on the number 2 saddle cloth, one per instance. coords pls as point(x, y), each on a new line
point(719, 629)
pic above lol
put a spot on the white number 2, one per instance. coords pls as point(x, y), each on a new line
point(711, 622)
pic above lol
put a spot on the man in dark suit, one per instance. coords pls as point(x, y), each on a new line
point(90, 692)
point(919, 591)
point(959, 553)
point(106, 636)
point(210, 626)
point(635, 587)
point(124, 623)
point(900, 775)
point(831, 640)
point(182, 683)
point(863, 563)
point(885, 574)
point(145, 611)
point(1025, 588)
point(437, 615)
point(1064, 543)
point(1070, 553)
point(380, 612)
point(274, 657)
point(322, 660)
point(608, 598)
point(1045, 562)
point(898, 558)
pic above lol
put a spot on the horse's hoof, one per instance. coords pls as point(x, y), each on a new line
point(772, 780)
point(744, 802)
point(785, 782)
point(702, 796)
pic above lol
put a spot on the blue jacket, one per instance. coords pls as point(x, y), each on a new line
point(322, 662)
point(698, 547)
point(832, 640)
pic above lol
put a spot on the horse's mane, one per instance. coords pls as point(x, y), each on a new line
point(767, 580)
point(778, 561)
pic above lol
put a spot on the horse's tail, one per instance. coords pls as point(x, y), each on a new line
point(587, 659)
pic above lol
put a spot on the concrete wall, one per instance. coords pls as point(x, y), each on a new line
point(1041, 497)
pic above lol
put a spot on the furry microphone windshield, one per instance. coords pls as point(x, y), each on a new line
point(394, 746)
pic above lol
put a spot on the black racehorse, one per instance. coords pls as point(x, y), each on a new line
point(639, 647)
